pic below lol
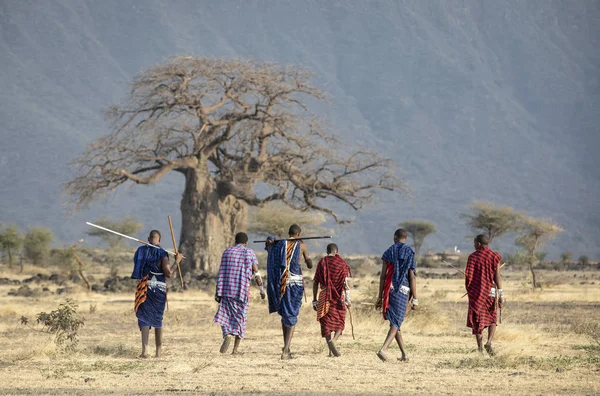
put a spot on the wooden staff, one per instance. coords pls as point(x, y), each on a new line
point(351, 322)
point(175, 248)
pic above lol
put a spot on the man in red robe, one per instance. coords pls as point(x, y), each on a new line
point(331, 274)
point(484, 287)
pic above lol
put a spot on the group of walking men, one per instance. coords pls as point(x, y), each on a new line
point(285, 289)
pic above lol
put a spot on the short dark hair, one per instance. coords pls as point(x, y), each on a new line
point(294, 230)
point(482, 239)
point(154, 232)
point(400, 233)
point(332, 248)
point(241, 237)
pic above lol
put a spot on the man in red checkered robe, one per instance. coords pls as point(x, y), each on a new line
point(331, 274)
point(483, 284)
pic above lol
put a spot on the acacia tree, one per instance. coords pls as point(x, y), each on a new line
point(534, 233)
point(10, 242)
point(36, 244)
point(491, 219)
point(227, 126)
point(418, 230)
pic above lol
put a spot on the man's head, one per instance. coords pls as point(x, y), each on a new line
point(332, 248)
point(294, 230)
point(481, 241)
point(241, 238)
point(400, 235)
point(154, 237)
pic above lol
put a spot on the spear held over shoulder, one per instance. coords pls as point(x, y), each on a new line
point(127, 236)
point(295, 239)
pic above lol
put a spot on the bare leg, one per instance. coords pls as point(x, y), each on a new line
point(288, 333)
point(386, 344)
point(331, 345)
point(337, 335)
point(479, 338)
point(158, 339)
point(326, 339)
point(225, 343)
point(284, 351)
point(236, 345)
point(488, 345)
point(401, 345)
point(145, 336)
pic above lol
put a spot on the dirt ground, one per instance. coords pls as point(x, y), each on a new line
point(545, 345)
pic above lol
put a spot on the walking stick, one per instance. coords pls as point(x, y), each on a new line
point(351, 322)
point(175, 248)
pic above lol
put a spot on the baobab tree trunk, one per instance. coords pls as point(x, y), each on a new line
point(209, 222)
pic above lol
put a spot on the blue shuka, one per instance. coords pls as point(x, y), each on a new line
point(151, 293)
point(402, 257)
point(288, 305)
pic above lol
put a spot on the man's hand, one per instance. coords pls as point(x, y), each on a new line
point(379, 303)
point(414, 304)
point(315, 304)
point(178, 258)
point(217, 298)
point(349, 305)
point(501, 303)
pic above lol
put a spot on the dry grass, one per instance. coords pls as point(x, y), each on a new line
point(547, 344)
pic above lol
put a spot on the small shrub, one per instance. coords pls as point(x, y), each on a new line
point(63, 323)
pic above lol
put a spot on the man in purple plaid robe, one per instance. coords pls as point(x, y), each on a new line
point(238, 265)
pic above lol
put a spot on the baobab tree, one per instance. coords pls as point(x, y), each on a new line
point(227, 126)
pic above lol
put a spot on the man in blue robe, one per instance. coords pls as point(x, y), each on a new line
point(151, 267)
point(397, 285)
point(285, 285)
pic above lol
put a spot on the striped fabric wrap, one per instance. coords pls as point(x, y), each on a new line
point(290, 249)
point(141, 291)
point(323, 304)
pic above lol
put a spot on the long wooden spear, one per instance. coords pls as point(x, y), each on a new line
point(458, 269)
point(128, 237)
point(175, 248)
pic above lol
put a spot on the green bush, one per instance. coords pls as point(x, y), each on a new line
point(63, 323)
point(36, 245)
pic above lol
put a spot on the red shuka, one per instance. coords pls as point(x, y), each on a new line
point(479, 281)
point(331, 274)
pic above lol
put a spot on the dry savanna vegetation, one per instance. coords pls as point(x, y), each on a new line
point(548, 342)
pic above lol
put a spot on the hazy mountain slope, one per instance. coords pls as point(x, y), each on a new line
point(473, 99)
